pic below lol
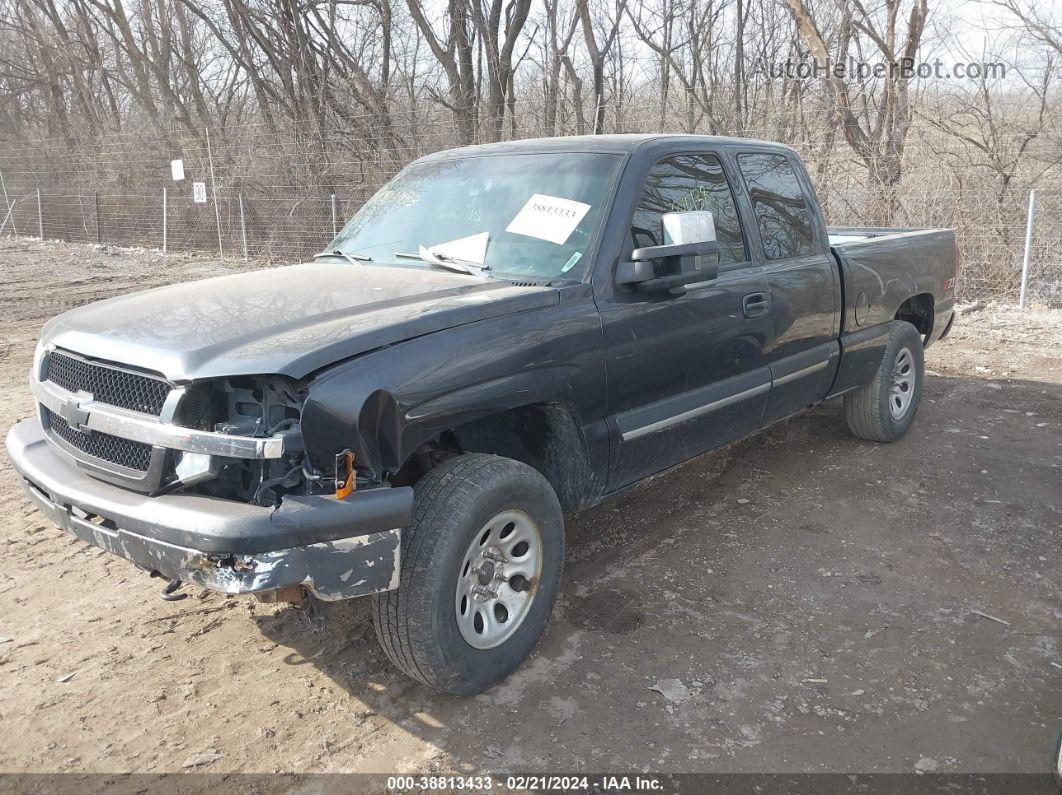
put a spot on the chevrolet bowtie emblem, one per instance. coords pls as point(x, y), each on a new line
point(76, 416)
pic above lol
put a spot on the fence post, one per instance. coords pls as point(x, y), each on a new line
point(10, 209)
point(214, 190)
point(334, 230)
point(96, 202)
point(40, 215)
point(3, 187)
point(164, 229)
point(243, 229)
point(1028, 248)
point(14, 226)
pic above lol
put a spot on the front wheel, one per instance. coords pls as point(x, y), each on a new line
point(481, 568)
point(884, 409)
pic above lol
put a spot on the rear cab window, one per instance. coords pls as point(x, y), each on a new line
point(685, 183)
point(778, 202)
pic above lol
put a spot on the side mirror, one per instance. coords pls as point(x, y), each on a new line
point(689, 255)
point(694, 226)
point(671, 267)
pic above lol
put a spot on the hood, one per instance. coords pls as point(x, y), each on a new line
point(290, 321)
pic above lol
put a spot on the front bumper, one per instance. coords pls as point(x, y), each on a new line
point(336, 549)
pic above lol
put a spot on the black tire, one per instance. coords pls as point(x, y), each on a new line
point(868, 411)
point(417, 624)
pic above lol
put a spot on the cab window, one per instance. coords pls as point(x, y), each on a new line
point(782, 214)
point(688, 183)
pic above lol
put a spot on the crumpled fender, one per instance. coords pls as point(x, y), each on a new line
point(385, 404)
point(383, 429)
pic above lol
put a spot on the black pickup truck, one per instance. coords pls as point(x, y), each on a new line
point(502, 335)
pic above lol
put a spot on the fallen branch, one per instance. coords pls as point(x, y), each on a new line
point(990, 618)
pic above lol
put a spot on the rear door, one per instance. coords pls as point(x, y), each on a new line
point(802, 279)
point(685, 372)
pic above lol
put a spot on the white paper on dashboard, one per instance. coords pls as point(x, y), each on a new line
point(470, 249)
point(548, 218)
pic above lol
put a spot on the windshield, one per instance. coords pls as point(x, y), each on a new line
point(528, 215)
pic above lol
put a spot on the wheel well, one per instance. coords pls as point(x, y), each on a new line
point(918, 311)
point(545, 436)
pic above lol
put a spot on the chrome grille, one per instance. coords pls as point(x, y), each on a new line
point(108, 385)
point(112, 449)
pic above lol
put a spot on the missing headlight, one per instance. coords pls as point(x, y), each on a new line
point(194, 467)
point(256, 406)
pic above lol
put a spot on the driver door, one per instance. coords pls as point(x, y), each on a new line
point(685, 372)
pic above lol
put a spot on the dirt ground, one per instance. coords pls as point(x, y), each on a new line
point(814, 594)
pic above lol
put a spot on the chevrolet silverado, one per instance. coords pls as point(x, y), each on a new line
point(503, 335)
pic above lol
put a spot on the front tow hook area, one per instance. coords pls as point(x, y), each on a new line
point(169, 593)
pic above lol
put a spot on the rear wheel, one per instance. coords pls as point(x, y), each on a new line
point(481, 567)
point(884, 409)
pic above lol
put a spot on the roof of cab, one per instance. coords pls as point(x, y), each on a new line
point(615, 144)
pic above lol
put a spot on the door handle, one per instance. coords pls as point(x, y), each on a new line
point(755, 304)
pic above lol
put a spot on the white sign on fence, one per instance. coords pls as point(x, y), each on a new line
point(199, 192)
point(177, 169)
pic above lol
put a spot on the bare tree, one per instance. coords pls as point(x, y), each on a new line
point(1041, 26)
point(561, 24)
point(499, 39)
point(599, 34)
point(685, 36)
point(455, 57)
point(878, 133)
point(333, 96)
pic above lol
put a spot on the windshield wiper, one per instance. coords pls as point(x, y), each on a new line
point(353, 259)
point(455, 264)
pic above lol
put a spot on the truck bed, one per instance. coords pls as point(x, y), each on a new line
point(883, 270)
point(883, 267)
point(841, 235)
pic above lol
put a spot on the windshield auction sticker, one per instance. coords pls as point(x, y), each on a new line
point(548, 218)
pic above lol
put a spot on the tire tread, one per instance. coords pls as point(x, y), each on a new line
point(402, 621)
point(863, 409)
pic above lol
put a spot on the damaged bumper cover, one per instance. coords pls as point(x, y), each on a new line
point(336, 549)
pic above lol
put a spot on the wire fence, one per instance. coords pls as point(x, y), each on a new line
point(281, 198)
point(992, 251)
point(291, 229)
point(261, 227)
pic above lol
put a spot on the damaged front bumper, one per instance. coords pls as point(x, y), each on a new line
point(336, 549)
